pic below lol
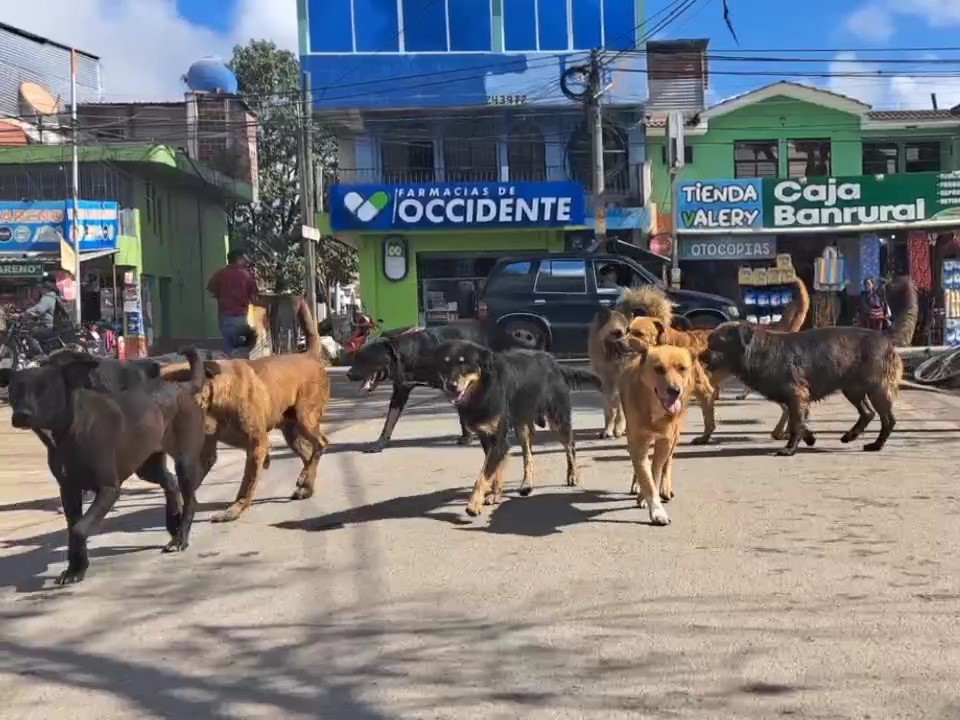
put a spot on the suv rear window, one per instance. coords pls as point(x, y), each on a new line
point(562, 276)
point(511, 277)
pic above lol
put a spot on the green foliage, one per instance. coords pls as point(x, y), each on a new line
point(269, 81)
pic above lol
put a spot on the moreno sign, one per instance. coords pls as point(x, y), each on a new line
point(448, 205)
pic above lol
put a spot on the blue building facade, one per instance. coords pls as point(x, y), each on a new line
point(447, 93)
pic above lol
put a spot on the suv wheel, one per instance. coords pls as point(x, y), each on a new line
point(526, 333)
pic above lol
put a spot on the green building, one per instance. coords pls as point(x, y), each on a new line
point(173, 230)
point(757, 175)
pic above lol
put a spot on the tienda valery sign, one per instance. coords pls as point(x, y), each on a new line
point(426, 206)
point(866, 200)
point(718, 205)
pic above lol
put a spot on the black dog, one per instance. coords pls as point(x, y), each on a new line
point(796, 369)
point(407, 357)
point(101, 438)
point(518, 389)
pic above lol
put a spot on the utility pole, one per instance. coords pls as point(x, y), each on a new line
point(75, 188)
point(594, 95)
point(308, 234)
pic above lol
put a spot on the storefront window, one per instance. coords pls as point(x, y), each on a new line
point(526, 153)
point(407, 160)
point(470, 151)
point(922, 156)
point(755, 159)
point(615, 161)
point(879, 158)
point(808, 158)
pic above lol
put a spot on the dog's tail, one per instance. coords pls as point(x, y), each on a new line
point(577, 378)
point(795, 314)
point(196, 367)
point(309, 328)
point(905, 308)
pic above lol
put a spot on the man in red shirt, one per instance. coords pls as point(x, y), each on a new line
point(234, 288)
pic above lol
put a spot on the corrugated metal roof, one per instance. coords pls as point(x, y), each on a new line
point(909, 115)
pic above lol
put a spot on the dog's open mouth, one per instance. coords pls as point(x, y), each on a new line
point(371, 383)
point(671, 403)
point(460, 390)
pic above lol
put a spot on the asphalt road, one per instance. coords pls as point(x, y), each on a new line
point(822, 586)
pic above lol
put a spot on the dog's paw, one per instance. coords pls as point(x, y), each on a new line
point(785, 452)
point(667, 496)
point(473, 511)
point(658, 516)
point(174, 546)
point(573, 480)
point(606, 435)
point(641, 502)
point(700, 440)
point(525, 490)
point(70, 576)
point(228, 515)
point(873, 447)
point(493, 499)
point(463, 440)
point(848, 437)
point(302, 493)
point(809, 439)
point(778, 435)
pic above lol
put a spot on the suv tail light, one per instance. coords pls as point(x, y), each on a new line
point(482, 310)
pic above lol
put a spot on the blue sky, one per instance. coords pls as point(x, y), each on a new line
point(853, 34)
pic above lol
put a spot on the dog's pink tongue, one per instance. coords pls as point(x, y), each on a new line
point(674, 407)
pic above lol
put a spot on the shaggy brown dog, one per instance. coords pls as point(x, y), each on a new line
point(243, 400)
point(655, 385)
point(796, 369)
point(607, 328)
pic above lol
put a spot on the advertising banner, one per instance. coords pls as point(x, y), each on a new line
point(719, 205)
point(39, 226)
point(433, 206)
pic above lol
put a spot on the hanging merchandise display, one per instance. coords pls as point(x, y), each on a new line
point(918, 260)
point(951, 302)
point(766, 291)
point(830, 270)
point(869, 257)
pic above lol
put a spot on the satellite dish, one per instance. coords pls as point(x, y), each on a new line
point(38, 99)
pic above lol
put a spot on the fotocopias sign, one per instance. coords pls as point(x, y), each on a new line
point(425, 206)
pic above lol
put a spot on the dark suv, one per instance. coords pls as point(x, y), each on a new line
point(548, 300)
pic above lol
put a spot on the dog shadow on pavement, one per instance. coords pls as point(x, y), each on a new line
point(46, 553)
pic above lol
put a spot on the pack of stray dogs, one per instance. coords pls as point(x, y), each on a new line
point(103, 420)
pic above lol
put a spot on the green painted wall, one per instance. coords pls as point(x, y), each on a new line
point(782, 119)
point(776, 118)
point(183, 237)
point(397, 303)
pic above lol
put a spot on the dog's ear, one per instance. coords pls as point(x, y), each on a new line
point(745, 332)
point(661, 332)
point(485, 361)
point(76, 371)
point(211, 368)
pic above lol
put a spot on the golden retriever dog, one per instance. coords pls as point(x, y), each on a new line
point(656, 383)
point(243, 400)
point(607, 327)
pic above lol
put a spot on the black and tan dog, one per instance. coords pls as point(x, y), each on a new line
point(406, 357)
point(496, 391)
point(797, 369)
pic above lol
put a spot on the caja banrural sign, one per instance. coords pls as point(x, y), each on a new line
point(424, 206)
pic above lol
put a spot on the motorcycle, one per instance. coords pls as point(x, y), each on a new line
point(23, 349)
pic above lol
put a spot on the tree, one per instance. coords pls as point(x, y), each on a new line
point(269, 81)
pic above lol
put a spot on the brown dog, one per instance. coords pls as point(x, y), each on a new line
point(650, 332)
point(606, 329)
point(655, 385)
point(243, 400)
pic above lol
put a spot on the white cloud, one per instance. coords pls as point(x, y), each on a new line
point(861, 79)
point(936, 13)
point(146, 47)
point(870, 22)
